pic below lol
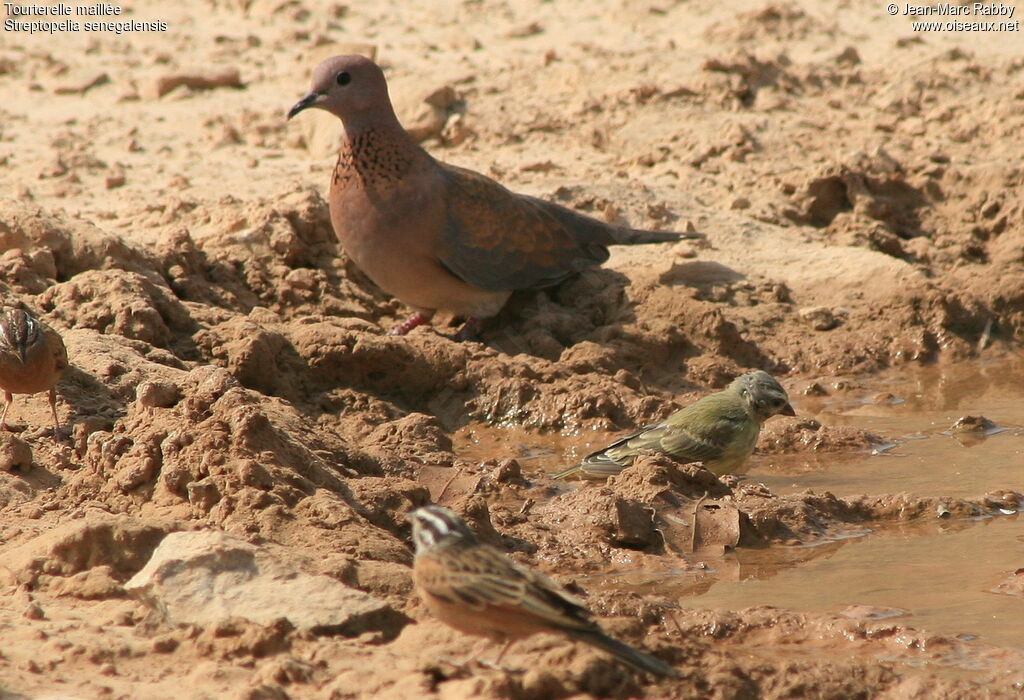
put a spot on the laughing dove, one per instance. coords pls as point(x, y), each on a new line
point(434, 235)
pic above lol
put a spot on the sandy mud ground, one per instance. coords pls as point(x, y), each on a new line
point(860, 185)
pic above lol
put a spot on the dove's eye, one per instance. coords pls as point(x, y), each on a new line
point(344, 78)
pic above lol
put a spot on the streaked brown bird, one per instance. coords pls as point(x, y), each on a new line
point(719, 430)
point(478, 590)
point(433, 235)
point(32, 359)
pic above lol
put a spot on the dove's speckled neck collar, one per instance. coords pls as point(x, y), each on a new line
point(374, 156)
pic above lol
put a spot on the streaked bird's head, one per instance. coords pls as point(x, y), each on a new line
point(434, 526)
point(763, 394)
point(19, 332)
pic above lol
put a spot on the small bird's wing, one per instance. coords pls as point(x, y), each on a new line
point(697, 433)
point(56, 345)
point(500, 241)
point(706, 429)
point(612, 459)
point(596, 465)
point(482, 577)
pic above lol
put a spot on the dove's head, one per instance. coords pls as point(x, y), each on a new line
point(350, 87)
point(763, 394)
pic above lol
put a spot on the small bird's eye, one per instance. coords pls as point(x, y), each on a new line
point(344, 78)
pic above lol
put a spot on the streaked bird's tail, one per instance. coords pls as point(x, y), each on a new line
point(575, 471)
point(625, 653)
point(594, 466)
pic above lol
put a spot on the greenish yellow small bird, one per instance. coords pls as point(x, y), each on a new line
point(719, 430)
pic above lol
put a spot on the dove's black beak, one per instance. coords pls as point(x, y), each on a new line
point(306, 102)
point(787, 410)
point(22, 353)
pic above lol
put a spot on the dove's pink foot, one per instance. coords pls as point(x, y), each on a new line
point(469, 329)
point(417, 319)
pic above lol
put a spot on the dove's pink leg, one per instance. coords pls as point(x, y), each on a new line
point(469, 329)
point(417, 319)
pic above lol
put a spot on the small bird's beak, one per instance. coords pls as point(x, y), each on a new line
point(306, 102)
point(787, 410)
point(22, 353)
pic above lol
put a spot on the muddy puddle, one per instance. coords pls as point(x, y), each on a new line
point(934, 575)
point(915, 411)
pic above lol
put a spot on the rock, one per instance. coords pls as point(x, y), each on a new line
point(207, 578)
point(524, 30)
point(164, 644)
point(126, 303)
point(33, 611)
point(114, 180)
point(384, 578)
point(1013, 585)
point(203, 494)
point(416, 437)
point(81, 84)
point(848, 56)
point(799, 435)
point(157, 394)
point(196, 80)
point(815, 389)
point(426, 115)
point(972, 424)
point(95, 584)
point(14, 453)
point(871, 612)
point(972, 430)
point(820, 318)
point(122, 543)
point(633, 524)
point(263, 691)
point(508, 471)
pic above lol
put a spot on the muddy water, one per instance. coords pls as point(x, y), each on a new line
point(936, 576)
point(914, 410)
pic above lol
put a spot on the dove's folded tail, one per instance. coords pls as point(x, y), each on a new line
point(630, 236)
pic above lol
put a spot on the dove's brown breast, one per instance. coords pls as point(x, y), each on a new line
point(387, 206)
